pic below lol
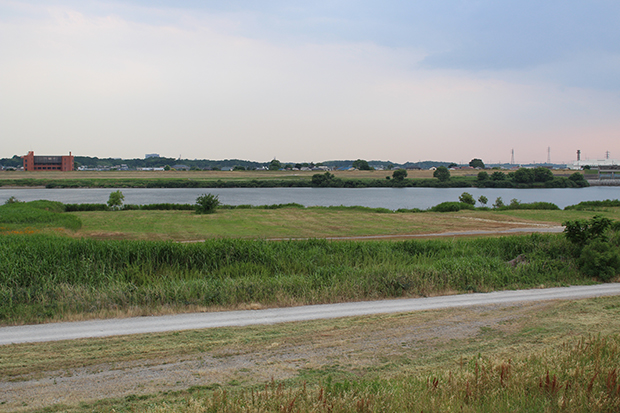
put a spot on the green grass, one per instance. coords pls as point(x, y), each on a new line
point(45, 277)
point(36, 214)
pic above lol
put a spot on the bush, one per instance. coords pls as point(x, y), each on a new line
point(442, 174)
point(600, 259)
point(467, 198)
point(207, 204)
point(451, 207)
point(116, 200)
point(581, 231)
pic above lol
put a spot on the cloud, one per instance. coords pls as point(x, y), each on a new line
point(127, 79)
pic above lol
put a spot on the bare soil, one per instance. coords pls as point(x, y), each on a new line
point(389, 344)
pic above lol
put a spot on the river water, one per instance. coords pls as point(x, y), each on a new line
point(391, 198)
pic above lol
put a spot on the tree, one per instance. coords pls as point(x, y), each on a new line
point(452, 165)
point(467, 198)
point(483, 200)
point(207, 204)
point(498, 176)
point(116, 200)
point(578, 179)
point(362, 165)
point(399, 174)
point(498, 202)
point(542, 174)
point(275, 165)
point(167, 168)
point(524, 176)
point(483, 176)
point(476, 163)
point(238, 168)
point(442, 174)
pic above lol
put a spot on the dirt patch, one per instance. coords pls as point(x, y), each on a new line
point(352, 346)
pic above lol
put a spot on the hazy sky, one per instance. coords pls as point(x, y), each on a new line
point(311, 80)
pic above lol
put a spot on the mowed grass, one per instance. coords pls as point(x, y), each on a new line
point(309, 223)
point(555, 356)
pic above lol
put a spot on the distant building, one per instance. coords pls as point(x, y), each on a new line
point(47, 163)
point(151, 155)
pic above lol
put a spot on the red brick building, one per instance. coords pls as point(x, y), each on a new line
point(47, 163)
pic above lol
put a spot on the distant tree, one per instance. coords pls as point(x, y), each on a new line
point(275, 165)
point(167, 168)
point(399, 174)
point(442, 173)
point(389, 166)
point(483, 176)
point(452, 165)
point(239, 168)
point(579, 179)
point(298, 165)
point(207, 204)
point(542, 174)
point(498, 176)
point(467, 198)
point(362, 165)
point(476, 163)
point(524, 176)
point(498, 202)
point(116, 200)
point(323, 179)
point(483, 200)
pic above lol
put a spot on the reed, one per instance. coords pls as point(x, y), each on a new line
point(46, 277)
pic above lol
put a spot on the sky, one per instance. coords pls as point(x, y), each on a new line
point(300, 81)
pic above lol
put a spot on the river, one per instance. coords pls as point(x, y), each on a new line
point(391, 198)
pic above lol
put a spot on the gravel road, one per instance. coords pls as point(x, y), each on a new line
point(139, 325)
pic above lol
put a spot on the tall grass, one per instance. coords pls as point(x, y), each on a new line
point(39, 213)
point(578, 376)
point(45, 277)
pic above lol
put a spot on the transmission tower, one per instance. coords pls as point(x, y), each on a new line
point(512, 157)
point(548, 154)
point(607, 155)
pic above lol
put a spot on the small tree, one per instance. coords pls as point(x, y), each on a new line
point(467, 198)
point(483, 176)
point(362, 165)
point(399, 174)
point(498, 176)
point(12, 200)
point(207, 204)
point(116, 200)
point(167, 168)
point(442, 173)
point(476, 163)
point(483, 200)
point(499, 202)
point(275, 165)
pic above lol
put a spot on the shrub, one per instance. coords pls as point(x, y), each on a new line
point(116, 200)
point(580, 231)
point(451, 207)
point(498, 202)
point(600, 259)
point(207, 204)
point(467, 198)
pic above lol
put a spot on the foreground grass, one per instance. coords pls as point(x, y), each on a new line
point(556, 356)
point(46, 277)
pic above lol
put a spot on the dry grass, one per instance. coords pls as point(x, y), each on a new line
point(382, 346)
point(289, 223)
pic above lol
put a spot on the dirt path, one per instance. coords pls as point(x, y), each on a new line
point(365, 346)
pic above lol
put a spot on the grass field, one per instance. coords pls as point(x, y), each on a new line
point(554, 356)
point(310, 223)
